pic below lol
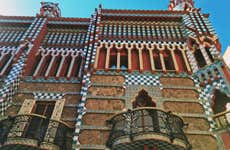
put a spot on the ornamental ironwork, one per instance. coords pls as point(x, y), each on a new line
point(146, 120)
point(38, 128)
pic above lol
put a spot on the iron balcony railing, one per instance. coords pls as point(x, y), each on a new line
point(36, 127)
point(222, 120)
point(144, 121)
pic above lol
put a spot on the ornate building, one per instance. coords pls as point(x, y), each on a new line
point(120, 80)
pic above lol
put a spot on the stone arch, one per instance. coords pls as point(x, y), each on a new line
point(143, 100)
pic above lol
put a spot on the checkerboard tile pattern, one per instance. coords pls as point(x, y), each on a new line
point(206, 95)
point(34, 29)
point(86, 79)
point(215, 52)
point(192, 60)
point(16, 70)
point(10, 84)
point(139, 79)
point(48, 96)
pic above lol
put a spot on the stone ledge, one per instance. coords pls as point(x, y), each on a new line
point(106, 97)
point(178, 100)
point(87, 127)
point(90, 147)
point(106, 85)
point(191, 115)
point(179, 87)
point(196, 132)
point(103, 111)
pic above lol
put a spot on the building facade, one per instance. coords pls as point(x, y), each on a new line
point(119, 80)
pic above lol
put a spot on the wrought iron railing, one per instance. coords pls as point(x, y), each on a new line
point(222, 120)
point(36, 127)
point(146, 120)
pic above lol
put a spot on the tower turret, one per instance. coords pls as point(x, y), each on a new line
point(49, 9)
point(181, 4)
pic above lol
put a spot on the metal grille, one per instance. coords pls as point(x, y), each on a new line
point(44, 130)
point(145, 121)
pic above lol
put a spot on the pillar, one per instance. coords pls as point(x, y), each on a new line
point(152, 60)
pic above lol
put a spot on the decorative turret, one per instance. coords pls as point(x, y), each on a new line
point(181, 5)
point(49, 9)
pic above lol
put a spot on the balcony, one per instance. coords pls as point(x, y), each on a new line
point(31, 131)
point(222, 120)
point(154, 128)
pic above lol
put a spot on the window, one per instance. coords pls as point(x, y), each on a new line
point(199, 58)
point(146, 60)
point(113, 59)
point(168, 60)
point(44, 108)
point(135, 59)
point(39, 125)
point(45, 65)
point(157, 60)
point(148, 118)
point(124, 58)
point(143, 100)
point(180, 60)
point(77, 65)
point(219, 102)
point(102, 58)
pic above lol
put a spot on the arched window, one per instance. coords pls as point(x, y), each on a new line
point(146, 59)
point(157, 60)
point(56, 65)
point(219, 102)
point(45, 66)
point(113, 58)
point(77, 64)
point(37, 60)
point(147, 117)
point(102, 58)
point(199, 58)
point(124, 59)
point(143, 100)
point(135, 59)
point(180, 60)
point(168, 60)
point(66, 66)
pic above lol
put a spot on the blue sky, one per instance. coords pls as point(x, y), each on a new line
point(219, 10)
